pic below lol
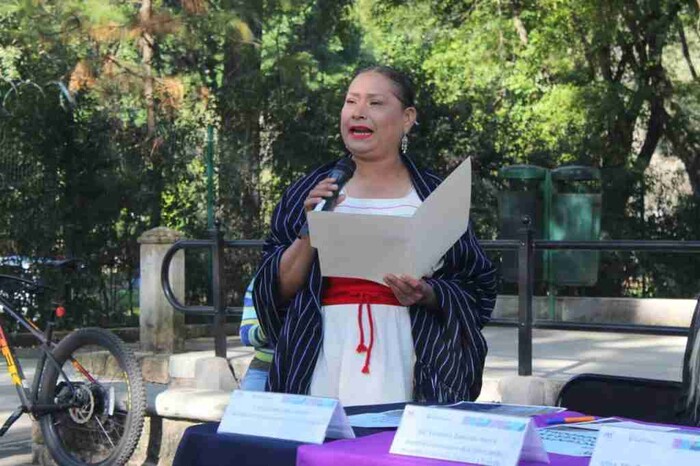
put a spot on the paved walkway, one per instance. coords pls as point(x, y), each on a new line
point(563, 354)
point(15, 445)
point(557, 354)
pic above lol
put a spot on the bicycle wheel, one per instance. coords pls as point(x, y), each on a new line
point(101, 382)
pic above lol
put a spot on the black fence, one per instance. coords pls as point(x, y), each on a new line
point(524, 247)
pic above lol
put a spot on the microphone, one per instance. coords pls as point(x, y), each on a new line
point(342, 172)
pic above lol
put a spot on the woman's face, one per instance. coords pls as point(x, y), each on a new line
point(373, 119)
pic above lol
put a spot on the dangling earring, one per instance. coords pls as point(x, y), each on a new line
point(404, 143)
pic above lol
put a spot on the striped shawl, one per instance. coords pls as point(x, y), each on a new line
point(450, 348)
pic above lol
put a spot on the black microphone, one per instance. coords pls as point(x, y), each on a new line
point(342, 172)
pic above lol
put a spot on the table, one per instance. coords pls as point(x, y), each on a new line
point(373, 450)
point(201, 445)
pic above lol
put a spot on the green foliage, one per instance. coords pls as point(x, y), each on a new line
point(101, 142)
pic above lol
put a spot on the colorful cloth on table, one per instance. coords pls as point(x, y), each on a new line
point(449, 346)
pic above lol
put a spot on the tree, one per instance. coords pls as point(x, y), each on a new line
point(123, 92)
point(557, 82)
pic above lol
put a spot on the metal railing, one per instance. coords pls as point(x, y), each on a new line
point(218, 308)
point(525, 247)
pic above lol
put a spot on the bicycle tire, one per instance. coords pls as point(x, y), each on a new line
point(65, 432)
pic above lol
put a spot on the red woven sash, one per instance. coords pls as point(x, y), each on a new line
point(339, 290)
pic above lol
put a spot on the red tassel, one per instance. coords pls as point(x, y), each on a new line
point(365, 370)
point(361, 348)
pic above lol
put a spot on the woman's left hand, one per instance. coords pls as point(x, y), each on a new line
point(410, 291)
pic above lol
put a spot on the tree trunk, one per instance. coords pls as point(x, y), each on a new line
point(685, 144)
point(152, 143)
point(686, 51)
point(241, 105)
point(693, 169)
point(648, 27)
point(147, 45)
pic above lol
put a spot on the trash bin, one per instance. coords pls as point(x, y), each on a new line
point(526, 189)
point(575, 215)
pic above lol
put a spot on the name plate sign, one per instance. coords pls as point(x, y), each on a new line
point(617, 446)
point(468, 437)
point(300, 418)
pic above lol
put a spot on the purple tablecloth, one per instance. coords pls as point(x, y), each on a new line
point(373, 450)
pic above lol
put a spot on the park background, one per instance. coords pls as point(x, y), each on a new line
point(111, 111)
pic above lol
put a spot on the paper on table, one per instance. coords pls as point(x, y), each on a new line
point(612, 421)
point(643, 447)
point(579, 439)
point(563, 440)
point(639, 425)
point(506, 409)
point(466, 437)
point(371, 246)
point(339, 425)
point(285, 416)
point(392, 418)
point(377, 420)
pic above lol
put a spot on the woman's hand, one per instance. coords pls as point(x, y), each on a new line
point(296, 261)
point(326, 188)
point(410, 291)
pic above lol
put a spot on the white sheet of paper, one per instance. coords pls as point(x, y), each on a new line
point(579, 439)
point(564, 440)
point(371, 246)
point(614, 422)
point(377, 420)
point(468, 437)
point(621, 446)
point(506, 409)
point(339, 427)
point(596, 424)
point(290, 417)
point(392, 418)
point(639, 425)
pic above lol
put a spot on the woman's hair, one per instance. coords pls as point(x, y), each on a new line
point(402, 82)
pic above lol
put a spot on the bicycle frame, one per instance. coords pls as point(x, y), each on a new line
point(79, 416)
point(29, 395)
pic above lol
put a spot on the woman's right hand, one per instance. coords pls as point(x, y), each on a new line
point(325, 189)
point(296, 261)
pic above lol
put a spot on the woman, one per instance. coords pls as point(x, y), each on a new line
point(413, 339)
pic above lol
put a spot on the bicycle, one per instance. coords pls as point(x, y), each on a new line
point(87, 393)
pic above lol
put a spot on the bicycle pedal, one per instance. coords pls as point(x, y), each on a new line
point(11, 420)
